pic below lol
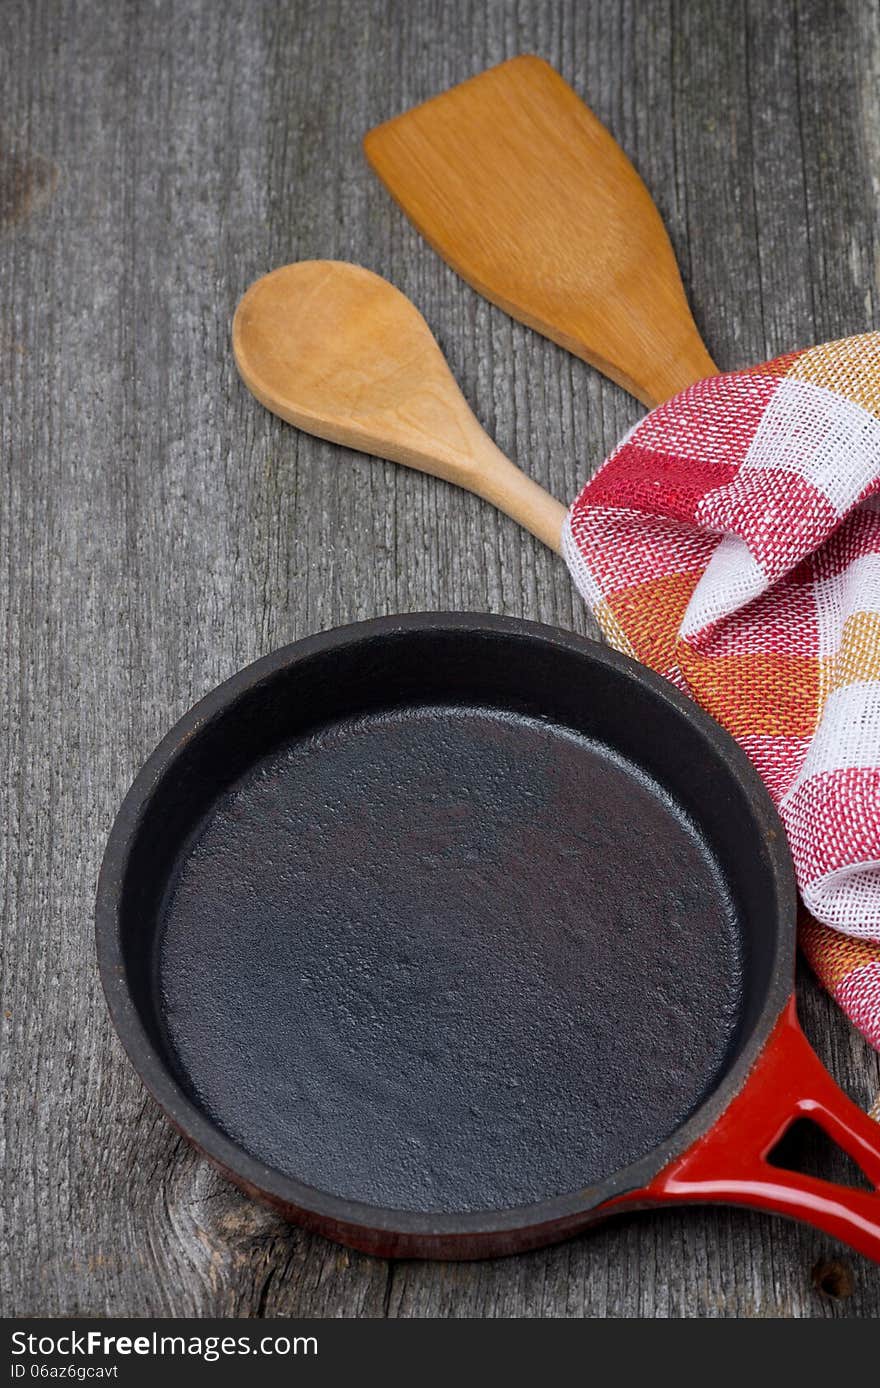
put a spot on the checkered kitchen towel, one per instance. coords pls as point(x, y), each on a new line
point(732, 543)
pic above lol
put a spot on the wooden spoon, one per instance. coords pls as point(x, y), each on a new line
point(341, 353)
point(524, 192)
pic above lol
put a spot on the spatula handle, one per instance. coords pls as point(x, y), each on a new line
point(673, 359)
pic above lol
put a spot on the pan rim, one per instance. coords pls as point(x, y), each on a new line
point(354, 1218)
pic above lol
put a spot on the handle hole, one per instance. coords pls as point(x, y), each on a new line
point(833, 1278)
point(807, 1149)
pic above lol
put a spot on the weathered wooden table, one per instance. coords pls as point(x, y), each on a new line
point(160, 530)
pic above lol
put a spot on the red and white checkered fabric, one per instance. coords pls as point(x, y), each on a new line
point(732, 543)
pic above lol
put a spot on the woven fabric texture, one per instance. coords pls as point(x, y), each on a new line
point(732, 543)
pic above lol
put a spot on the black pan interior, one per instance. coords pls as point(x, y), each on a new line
point(449, 920)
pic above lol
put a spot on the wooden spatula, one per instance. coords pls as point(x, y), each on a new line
point(524, 192)
point(341, 353)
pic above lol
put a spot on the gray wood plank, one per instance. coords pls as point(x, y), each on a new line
point(159, 530)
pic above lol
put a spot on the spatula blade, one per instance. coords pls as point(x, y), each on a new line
point(522, 190)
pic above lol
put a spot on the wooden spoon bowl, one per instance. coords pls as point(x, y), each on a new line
point(339, 352)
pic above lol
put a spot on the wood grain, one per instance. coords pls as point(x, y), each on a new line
point(159, 530)
point(511, 177)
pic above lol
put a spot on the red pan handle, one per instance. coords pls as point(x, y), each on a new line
point(729, 1163)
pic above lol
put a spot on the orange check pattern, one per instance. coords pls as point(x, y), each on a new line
point(732, 543)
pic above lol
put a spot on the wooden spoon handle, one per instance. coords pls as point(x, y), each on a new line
point(504, 485)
